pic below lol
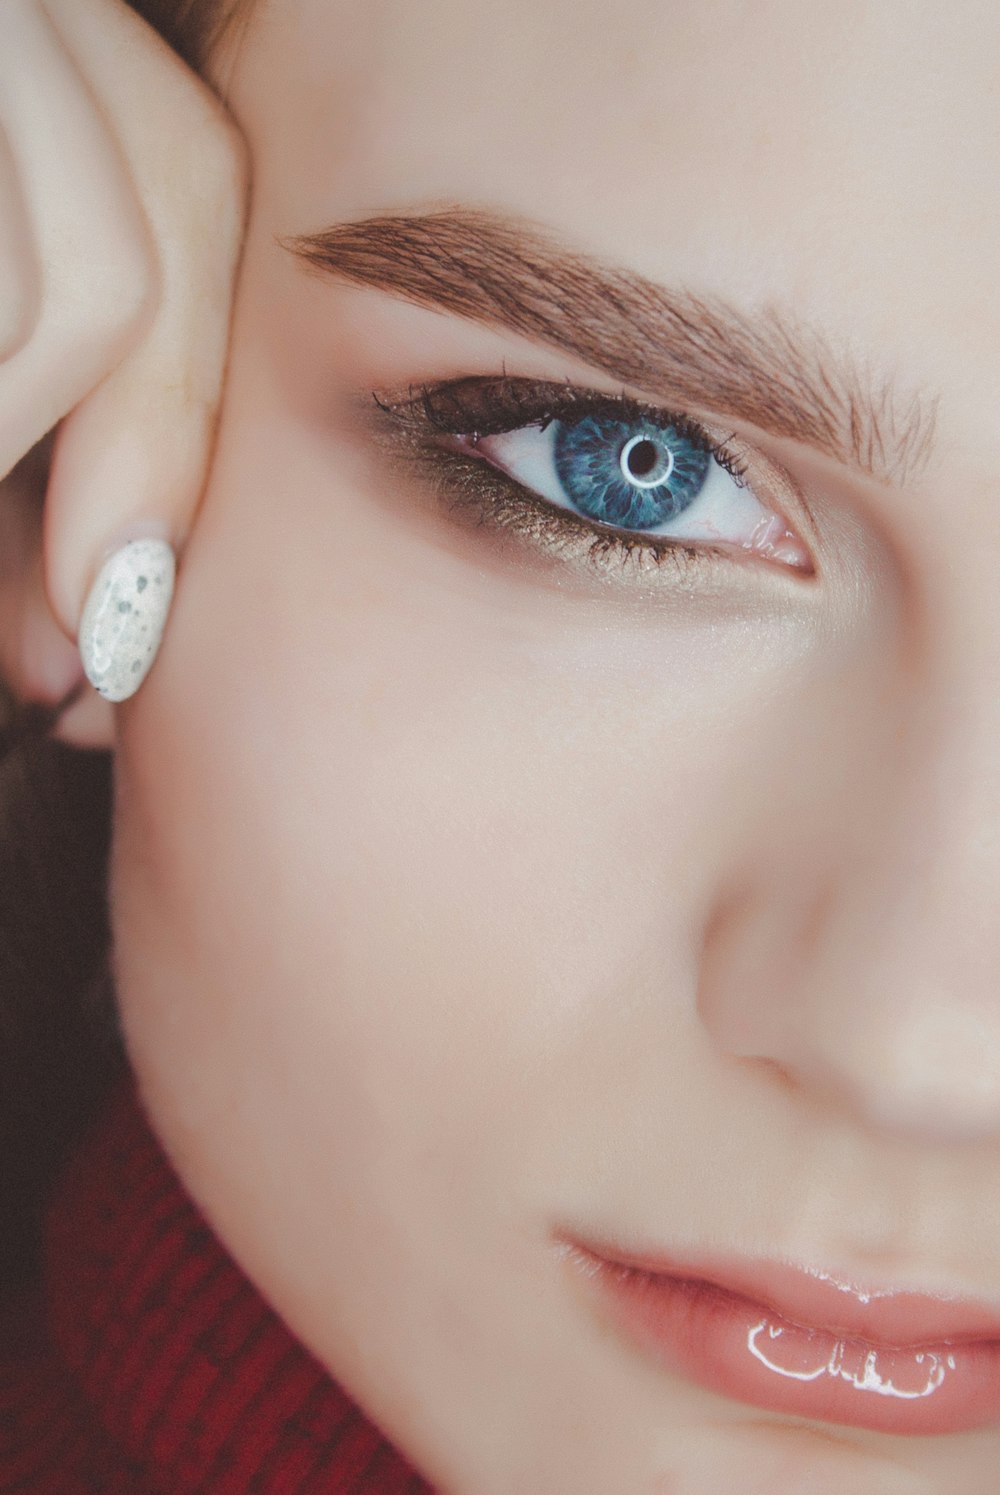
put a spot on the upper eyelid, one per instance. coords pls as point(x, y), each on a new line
point(560, 396)
point(514, 509)
point(564, 395)
point(773, 373)
point(734, 453)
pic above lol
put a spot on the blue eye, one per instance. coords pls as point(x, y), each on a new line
point(635, 472)
point(640, 478)
point(634, 475)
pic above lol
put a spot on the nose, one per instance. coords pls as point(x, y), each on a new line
point(872, 985)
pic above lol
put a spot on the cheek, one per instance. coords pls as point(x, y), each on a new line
point(400, 840)
point(436, 811)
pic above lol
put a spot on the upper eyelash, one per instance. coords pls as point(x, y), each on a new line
point(503, 403)
point(477, 491)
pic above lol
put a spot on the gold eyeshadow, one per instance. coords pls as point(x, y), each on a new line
point(418, 429)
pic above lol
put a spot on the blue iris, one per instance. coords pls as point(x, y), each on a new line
point(633, 474)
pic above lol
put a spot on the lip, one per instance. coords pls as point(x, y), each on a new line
point(803, 1341)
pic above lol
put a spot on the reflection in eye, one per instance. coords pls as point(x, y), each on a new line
point(640, 477)
point(631, 473)
point(638, 474)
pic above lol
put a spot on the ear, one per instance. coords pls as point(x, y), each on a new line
point(38, 663)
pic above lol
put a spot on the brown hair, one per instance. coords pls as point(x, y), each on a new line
point(60, 1045)
point(194, 28)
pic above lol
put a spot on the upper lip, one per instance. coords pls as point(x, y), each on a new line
point(824, 1300)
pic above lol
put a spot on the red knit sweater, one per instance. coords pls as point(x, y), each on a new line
point(151, 1366)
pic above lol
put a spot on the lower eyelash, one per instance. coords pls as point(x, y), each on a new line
point(476, 491)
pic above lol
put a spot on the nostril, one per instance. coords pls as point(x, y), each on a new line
point(773, 1073)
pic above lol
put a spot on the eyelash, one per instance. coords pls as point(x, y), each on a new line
point(477, 406)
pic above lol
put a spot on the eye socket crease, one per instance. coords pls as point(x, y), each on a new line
point(765, 368)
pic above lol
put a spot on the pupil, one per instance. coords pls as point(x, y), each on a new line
point(645, 461)
point(642, 458)
point(632, 479)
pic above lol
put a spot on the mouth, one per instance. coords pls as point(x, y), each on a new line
point(803, 1342)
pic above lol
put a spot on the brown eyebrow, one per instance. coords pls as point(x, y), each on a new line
point(763, 367)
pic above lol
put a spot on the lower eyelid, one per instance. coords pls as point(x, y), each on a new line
point(473, 490)
point(726, 514)
point(477, 494)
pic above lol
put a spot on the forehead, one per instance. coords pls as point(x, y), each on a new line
point(839, 159)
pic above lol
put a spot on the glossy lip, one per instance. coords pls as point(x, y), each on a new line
point(804, 1341)
point(818, 1299)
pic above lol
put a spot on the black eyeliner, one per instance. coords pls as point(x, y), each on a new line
point(420, 425)
point(477, 405)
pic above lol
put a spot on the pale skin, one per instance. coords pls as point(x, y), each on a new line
point(460, 894)
point(122, 199)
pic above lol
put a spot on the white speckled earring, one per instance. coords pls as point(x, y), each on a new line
point(125, 615)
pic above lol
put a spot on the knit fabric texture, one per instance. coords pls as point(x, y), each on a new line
point(149, 1365)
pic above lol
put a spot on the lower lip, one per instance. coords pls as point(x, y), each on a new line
point(746, 1351)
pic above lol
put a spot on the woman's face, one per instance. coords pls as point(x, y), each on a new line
point(485, 889)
